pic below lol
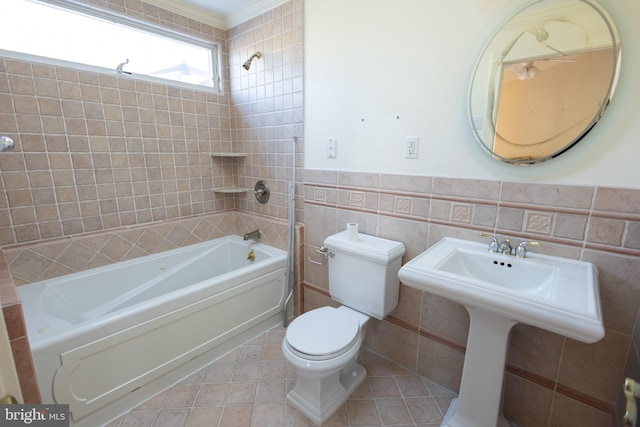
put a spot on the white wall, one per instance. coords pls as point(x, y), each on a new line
point(369, 62)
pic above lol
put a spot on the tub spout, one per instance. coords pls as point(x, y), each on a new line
point(254, 235)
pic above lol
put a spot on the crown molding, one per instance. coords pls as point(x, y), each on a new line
point(256, 8)
point(191, 11)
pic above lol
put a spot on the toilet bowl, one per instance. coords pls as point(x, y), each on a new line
point(322, 346)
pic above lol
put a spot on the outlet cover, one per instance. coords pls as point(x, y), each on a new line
point(411, 147)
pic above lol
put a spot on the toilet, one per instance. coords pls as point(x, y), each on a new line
point(322, 345)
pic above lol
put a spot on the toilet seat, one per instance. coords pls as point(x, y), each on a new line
point(323, 333)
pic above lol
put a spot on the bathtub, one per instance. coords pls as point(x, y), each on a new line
point(105, 340)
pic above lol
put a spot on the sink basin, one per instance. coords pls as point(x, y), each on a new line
point(556, 294)
point(527, 277)
point(499, 291)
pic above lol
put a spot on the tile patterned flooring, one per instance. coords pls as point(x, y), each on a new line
point(247, 387)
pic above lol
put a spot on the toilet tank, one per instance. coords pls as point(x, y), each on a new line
point(363, 274)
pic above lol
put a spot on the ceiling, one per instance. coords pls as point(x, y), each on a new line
point(221, 7)
point(219, 13)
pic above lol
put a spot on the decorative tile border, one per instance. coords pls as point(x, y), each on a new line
point(564, 214)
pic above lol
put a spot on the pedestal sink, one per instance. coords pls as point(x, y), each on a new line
point(499, 291)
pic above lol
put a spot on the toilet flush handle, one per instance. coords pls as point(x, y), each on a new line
point(324, 251)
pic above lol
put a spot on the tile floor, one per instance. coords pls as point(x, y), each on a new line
point(248, 386)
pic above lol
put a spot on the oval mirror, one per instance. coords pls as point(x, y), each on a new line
point(544, 80)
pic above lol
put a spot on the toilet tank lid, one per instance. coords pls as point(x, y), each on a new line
point(371, 247)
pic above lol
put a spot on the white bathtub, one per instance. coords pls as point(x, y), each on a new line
point(105, 340)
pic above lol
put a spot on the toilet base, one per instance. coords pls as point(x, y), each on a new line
point(319, 399)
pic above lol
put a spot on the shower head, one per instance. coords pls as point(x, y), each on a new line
point(247, 64)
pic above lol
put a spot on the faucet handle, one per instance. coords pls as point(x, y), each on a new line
point(493, 243)
point(521, 250)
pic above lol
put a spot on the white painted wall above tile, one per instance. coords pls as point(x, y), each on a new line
point(375, 74)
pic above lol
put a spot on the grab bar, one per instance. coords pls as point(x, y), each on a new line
point(324, 251)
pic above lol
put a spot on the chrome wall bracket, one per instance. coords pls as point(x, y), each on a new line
point(6, 144)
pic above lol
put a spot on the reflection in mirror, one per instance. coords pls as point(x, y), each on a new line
point(544, 80)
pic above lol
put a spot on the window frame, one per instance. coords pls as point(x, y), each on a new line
point(137, 25)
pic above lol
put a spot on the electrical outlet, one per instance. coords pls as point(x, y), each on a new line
point(411, 147)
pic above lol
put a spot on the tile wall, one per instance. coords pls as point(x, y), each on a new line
point(550, 380)
point(267, 105)
point(44, 260)
point(95, 152)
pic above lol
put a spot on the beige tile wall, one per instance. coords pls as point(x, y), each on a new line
point(551, 380)
point(35, 261)
point(267, 105)
point(94, 152)
point(99, 151)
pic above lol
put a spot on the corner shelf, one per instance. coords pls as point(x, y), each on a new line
point(233, 189)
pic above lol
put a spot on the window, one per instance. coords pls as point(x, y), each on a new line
point(86, 36)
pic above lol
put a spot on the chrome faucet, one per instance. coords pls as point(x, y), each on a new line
point(505, 247)
point(254, 235)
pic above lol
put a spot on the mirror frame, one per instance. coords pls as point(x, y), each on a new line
point(490, 112)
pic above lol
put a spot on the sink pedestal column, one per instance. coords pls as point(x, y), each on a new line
point(479, 403)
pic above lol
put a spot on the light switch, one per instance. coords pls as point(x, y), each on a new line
point(331, 148)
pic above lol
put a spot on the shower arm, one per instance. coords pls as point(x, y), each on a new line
point(247, 63)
